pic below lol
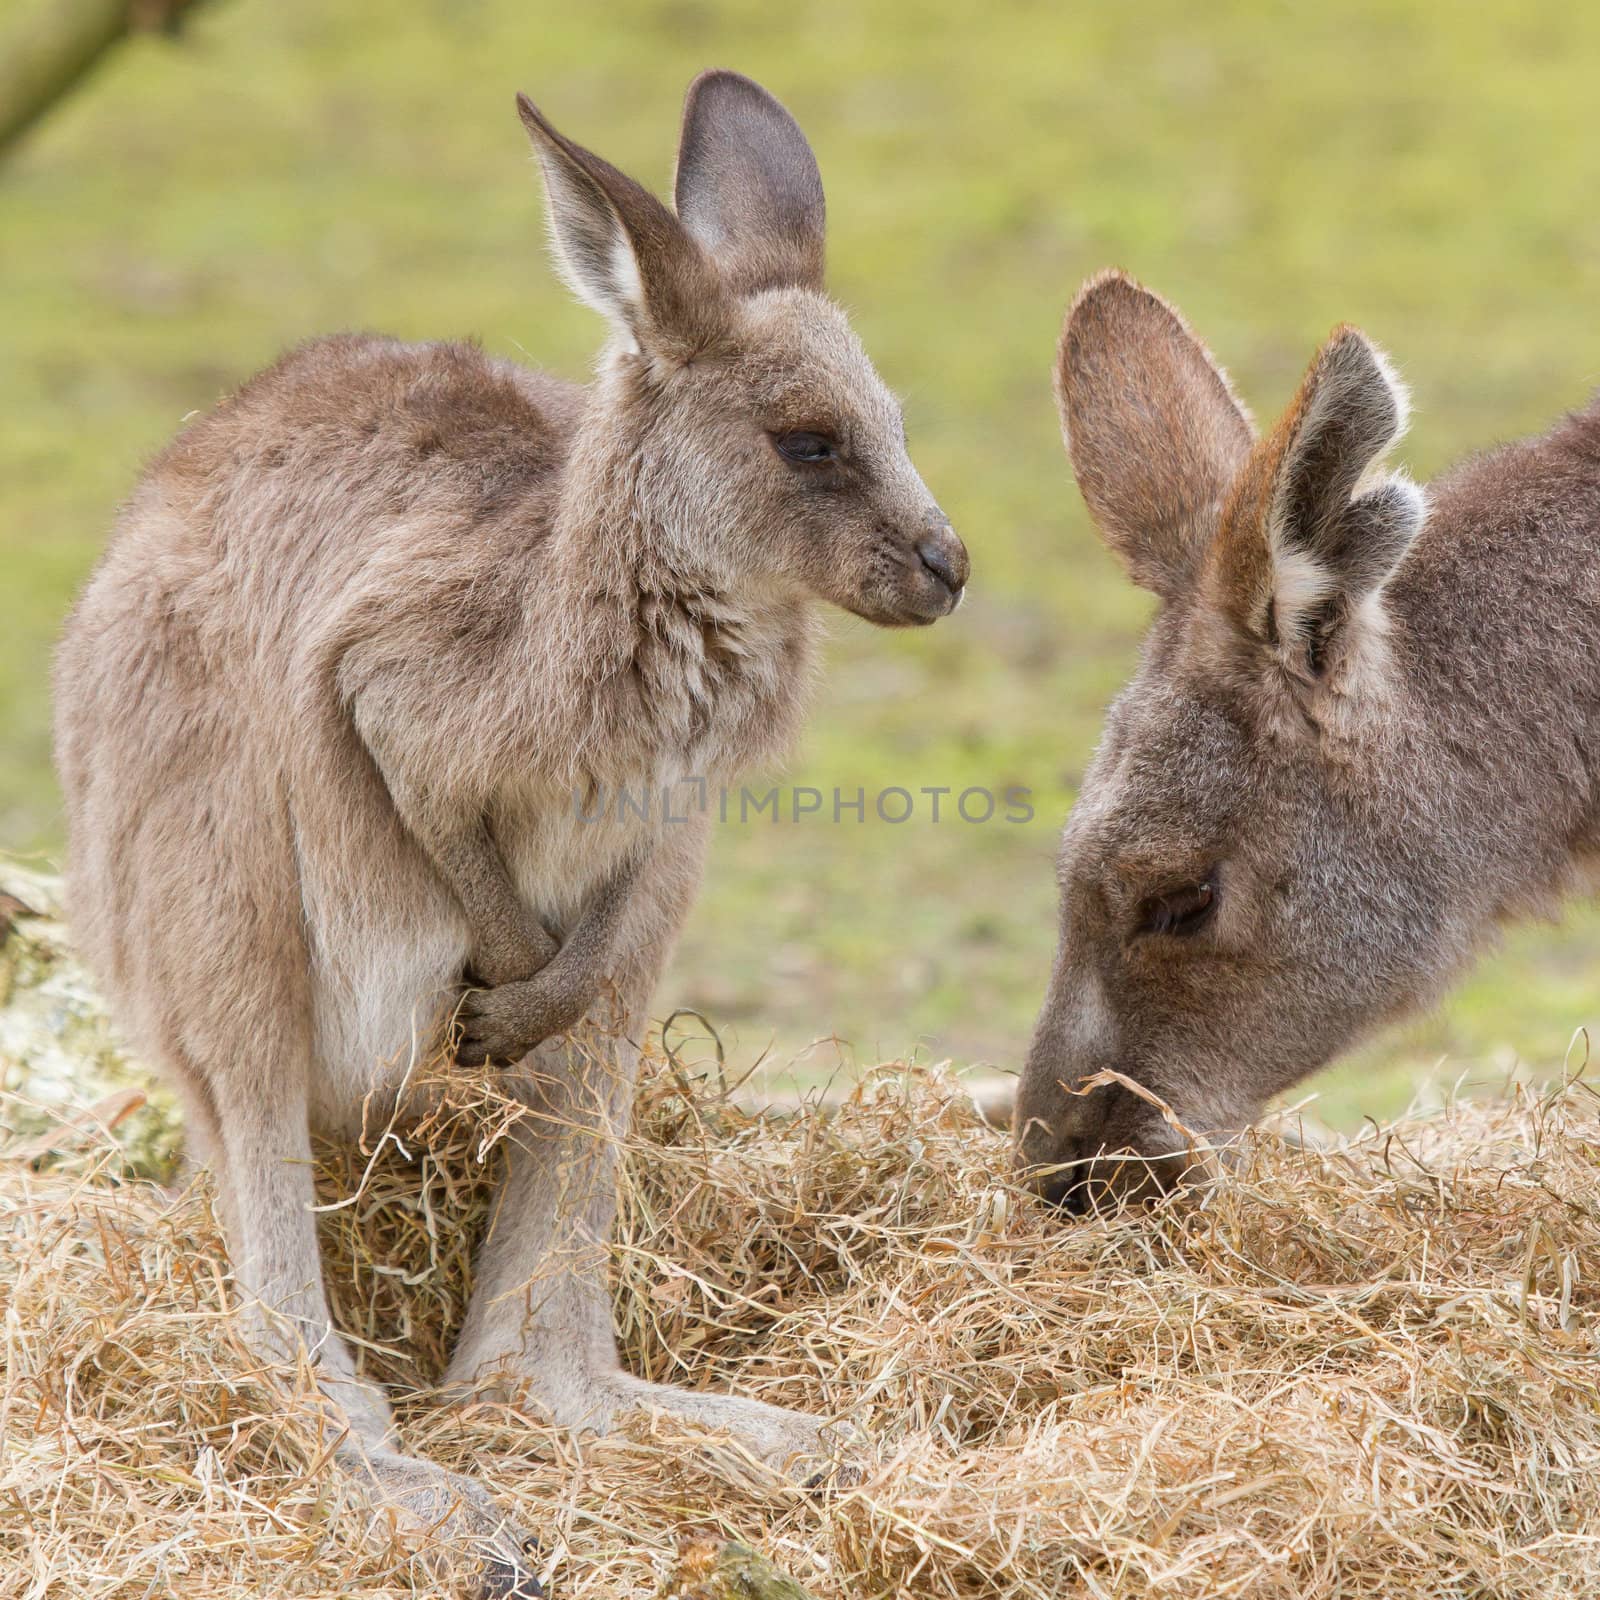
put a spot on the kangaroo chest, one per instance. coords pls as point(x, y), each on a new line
point(681, 697)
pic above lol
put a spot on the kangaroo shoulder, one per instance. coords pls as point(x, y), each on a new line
point(434, 421)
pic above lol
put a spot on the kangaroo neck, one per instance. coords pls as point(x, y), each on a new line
point(676, 660)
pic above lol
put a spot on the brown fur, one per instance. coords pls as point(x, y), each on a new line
point(366, 637)
point(1120, 341)
point(1374, 737)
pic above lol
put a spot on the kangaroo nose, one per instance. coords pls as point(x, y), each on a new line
point(1068, 1192)
point(945, 557)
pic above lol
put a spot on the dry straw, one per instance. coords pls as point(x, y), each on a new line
point(1369, 1372)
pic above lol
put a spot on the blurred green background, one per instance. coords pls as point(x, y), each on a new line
point(1428, 170)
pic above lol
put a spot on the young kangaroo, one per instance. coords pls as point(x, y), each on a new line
point(365, 641)
point(1364, 731)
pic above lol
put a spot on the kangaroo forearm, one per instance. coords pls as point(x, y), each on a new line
point(505, 1022)
point(592, 942)
point(507, 939)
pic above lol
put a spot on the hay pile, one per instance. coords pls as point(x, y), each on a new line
point(1371, 1372)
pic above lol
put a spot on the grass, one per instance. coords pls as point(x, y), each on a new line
point(1365, 1372)
point(1423, 169)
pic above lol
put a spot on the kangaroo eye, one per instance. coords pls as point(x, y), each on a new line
point(1180, 912)
point(808, 448)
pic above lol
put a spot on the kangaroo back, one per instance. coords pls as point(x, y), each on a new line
point(365, 643)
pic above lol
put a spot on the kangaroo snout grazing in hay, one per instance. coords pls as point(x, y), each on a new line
point(1364, 730)
point(368, 641)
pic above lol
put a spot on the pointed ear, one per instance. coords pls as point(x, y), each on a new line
point(747, 187)
point(1155, 434)
point(1332, 534)
point(621, 251)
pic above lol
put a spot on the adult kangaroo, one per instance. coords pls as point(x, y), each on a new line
point(366, 642)
point(1364, 731)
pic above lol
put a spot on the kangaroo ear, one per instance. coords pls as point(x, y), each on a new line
point(1154, 432)
point(747, 187)
point(621, 251)
point(1333, 535)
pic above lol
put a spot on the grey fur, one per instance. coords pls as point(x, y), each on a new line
point(1376, 737)
point(363, 638)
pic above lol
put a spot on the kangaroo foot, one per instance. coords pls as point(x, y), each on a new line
point(808, 1450)
point(464, 1529)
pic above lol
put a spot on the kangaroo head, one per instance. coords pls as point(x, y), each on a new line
point(756, 436)
point(1241, 895)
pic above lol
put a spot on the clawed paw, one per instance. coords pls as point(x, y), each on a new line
point(510, 1577)
point(503, 1024)
point(834, 1457)
point(490, 1028)
point(466, 1534)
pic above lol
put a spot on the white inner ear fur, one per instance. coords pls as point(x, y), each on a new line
point(1397, 390)
point(630, 290)
point(606, 280)
point(1300, 582)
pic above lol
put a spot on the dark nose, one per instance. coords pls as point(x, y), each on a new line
point(1068, 1192)
point(945, 557)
